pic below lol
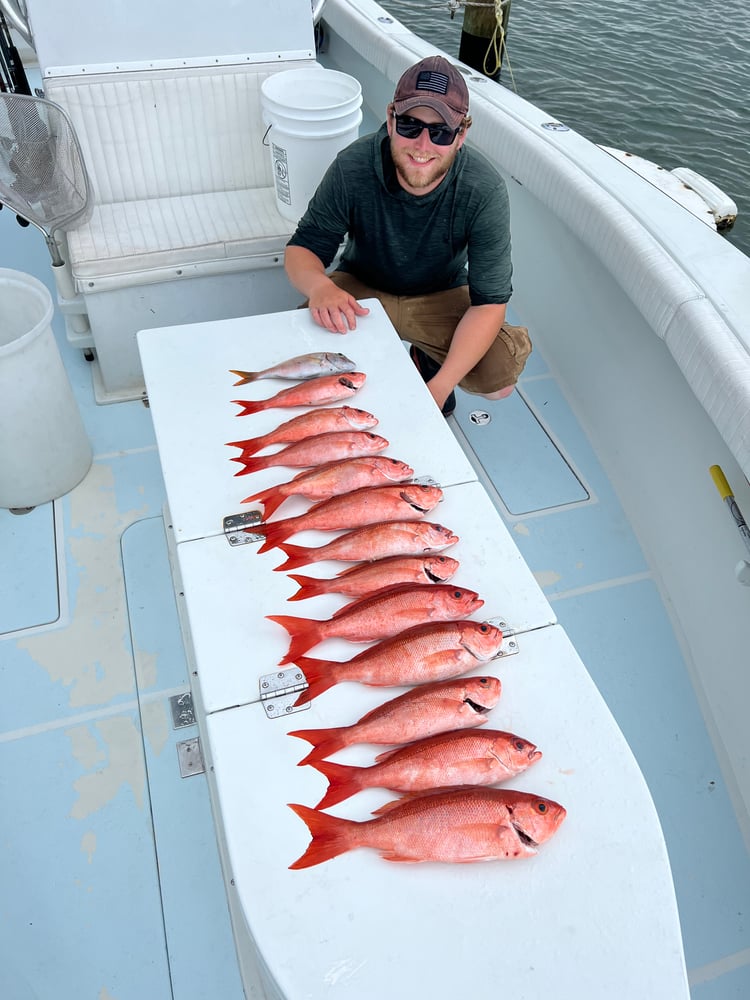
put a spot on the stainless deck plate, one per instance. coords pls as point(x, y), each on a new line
point(190, 757)
point(183, 712)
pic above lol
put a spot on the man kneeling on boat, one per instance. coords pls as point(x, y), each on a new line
point(417, 207)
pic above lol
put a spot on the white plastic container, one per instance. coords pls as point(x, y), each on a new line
point(44, 449)
point(312, 115)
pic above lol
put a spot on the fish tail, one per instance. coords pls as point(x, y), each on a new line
point(270, 499)
point(251, 464)
point(245, 377)
point(249, 446)
point(343, 781)
point(275, 533)
point(304, 632)
point(319, 674)
point(331, 836)
point(309, 586)
point(324, 742)
point(298, 555)
point(249, 406)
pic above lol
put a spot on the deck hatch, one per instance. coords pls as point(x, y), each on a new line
point(525, 465)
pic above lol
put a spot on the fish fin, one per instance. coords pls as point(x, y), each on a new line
point(343, 781)
point(304, 632)
point(403, 797)
point(249, 406)
point(324, 742)
point(392, 856)
point(319, 674)
point(270, 499)
point(245, 377)
point(387, 806)
point(309, 586)
point(252, 463)
point(298, 555)
point(249, 445)
point(276, 533)
point(331, 836)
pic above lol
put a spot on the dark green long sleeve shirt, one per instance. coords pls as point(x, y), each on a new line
point(407, 244)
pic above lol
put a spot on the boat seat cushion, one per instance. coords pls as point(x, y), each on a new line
point(126, 238)
point(178, 171)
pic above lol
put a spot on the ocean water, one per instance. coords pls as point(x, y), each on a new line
point(668, 80)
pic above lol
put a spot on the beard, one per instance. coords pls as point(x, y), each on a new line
point(417, 178)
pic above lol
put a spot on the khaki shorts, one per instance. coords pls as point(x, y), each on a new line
point(429, 322)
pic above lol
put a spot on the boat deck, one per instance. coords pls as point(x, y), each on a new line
point(110, 881)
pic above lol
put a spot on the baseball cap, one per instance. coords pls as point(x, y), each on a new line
point(433, 83)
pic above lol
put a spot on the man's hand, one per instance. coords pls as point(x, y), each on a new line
point(333, 308)
point(330, 306)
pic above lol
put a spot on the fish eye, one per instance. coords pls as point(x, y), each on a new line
point(484, 628)
point(458, 594)
point(541, 807)
point(519, 745)
point(483, 680)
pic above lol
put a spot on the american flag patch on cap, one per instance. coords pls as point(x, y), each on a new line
point(430, 80)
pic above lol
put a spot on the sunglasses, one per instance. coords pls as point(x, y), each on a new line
point(411, 128)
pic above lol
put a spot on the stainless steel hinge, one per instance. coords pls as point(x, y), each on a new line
point(510, 642)
point(279, 691)
point(238, 528)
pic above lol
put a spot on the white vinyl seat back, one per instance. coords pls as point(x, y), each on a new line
point(167, 133)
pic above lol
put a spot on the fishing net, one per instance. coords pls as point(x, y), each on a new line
point(42, 175)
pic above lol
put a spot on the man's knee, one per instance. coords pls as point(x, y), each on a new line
point(500, 393)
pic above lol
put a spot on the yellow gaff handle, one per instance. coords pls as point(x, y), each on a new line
point(720, 481)
point(727, 496)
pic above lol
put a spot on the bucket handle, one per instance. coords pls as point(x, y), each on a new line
point(265, 134)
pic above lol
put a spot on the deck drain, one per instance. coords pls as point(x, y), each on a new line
point(480, 417)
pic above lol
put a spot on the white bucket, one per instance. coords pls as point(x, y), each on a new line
point(44, 449)
point(312, 115)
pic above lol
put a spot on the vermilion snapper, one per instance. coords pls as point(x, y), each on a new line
point(316, 392)
point(376, 541)
point(318, 450)
point(304, 366)
point(448, 760)
point(462, 825)
point(436, 651)
point(419, 713)
point(360, 580)
point(380, 615)
point(333, 479)
point(370, 505)
point(309, 424)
